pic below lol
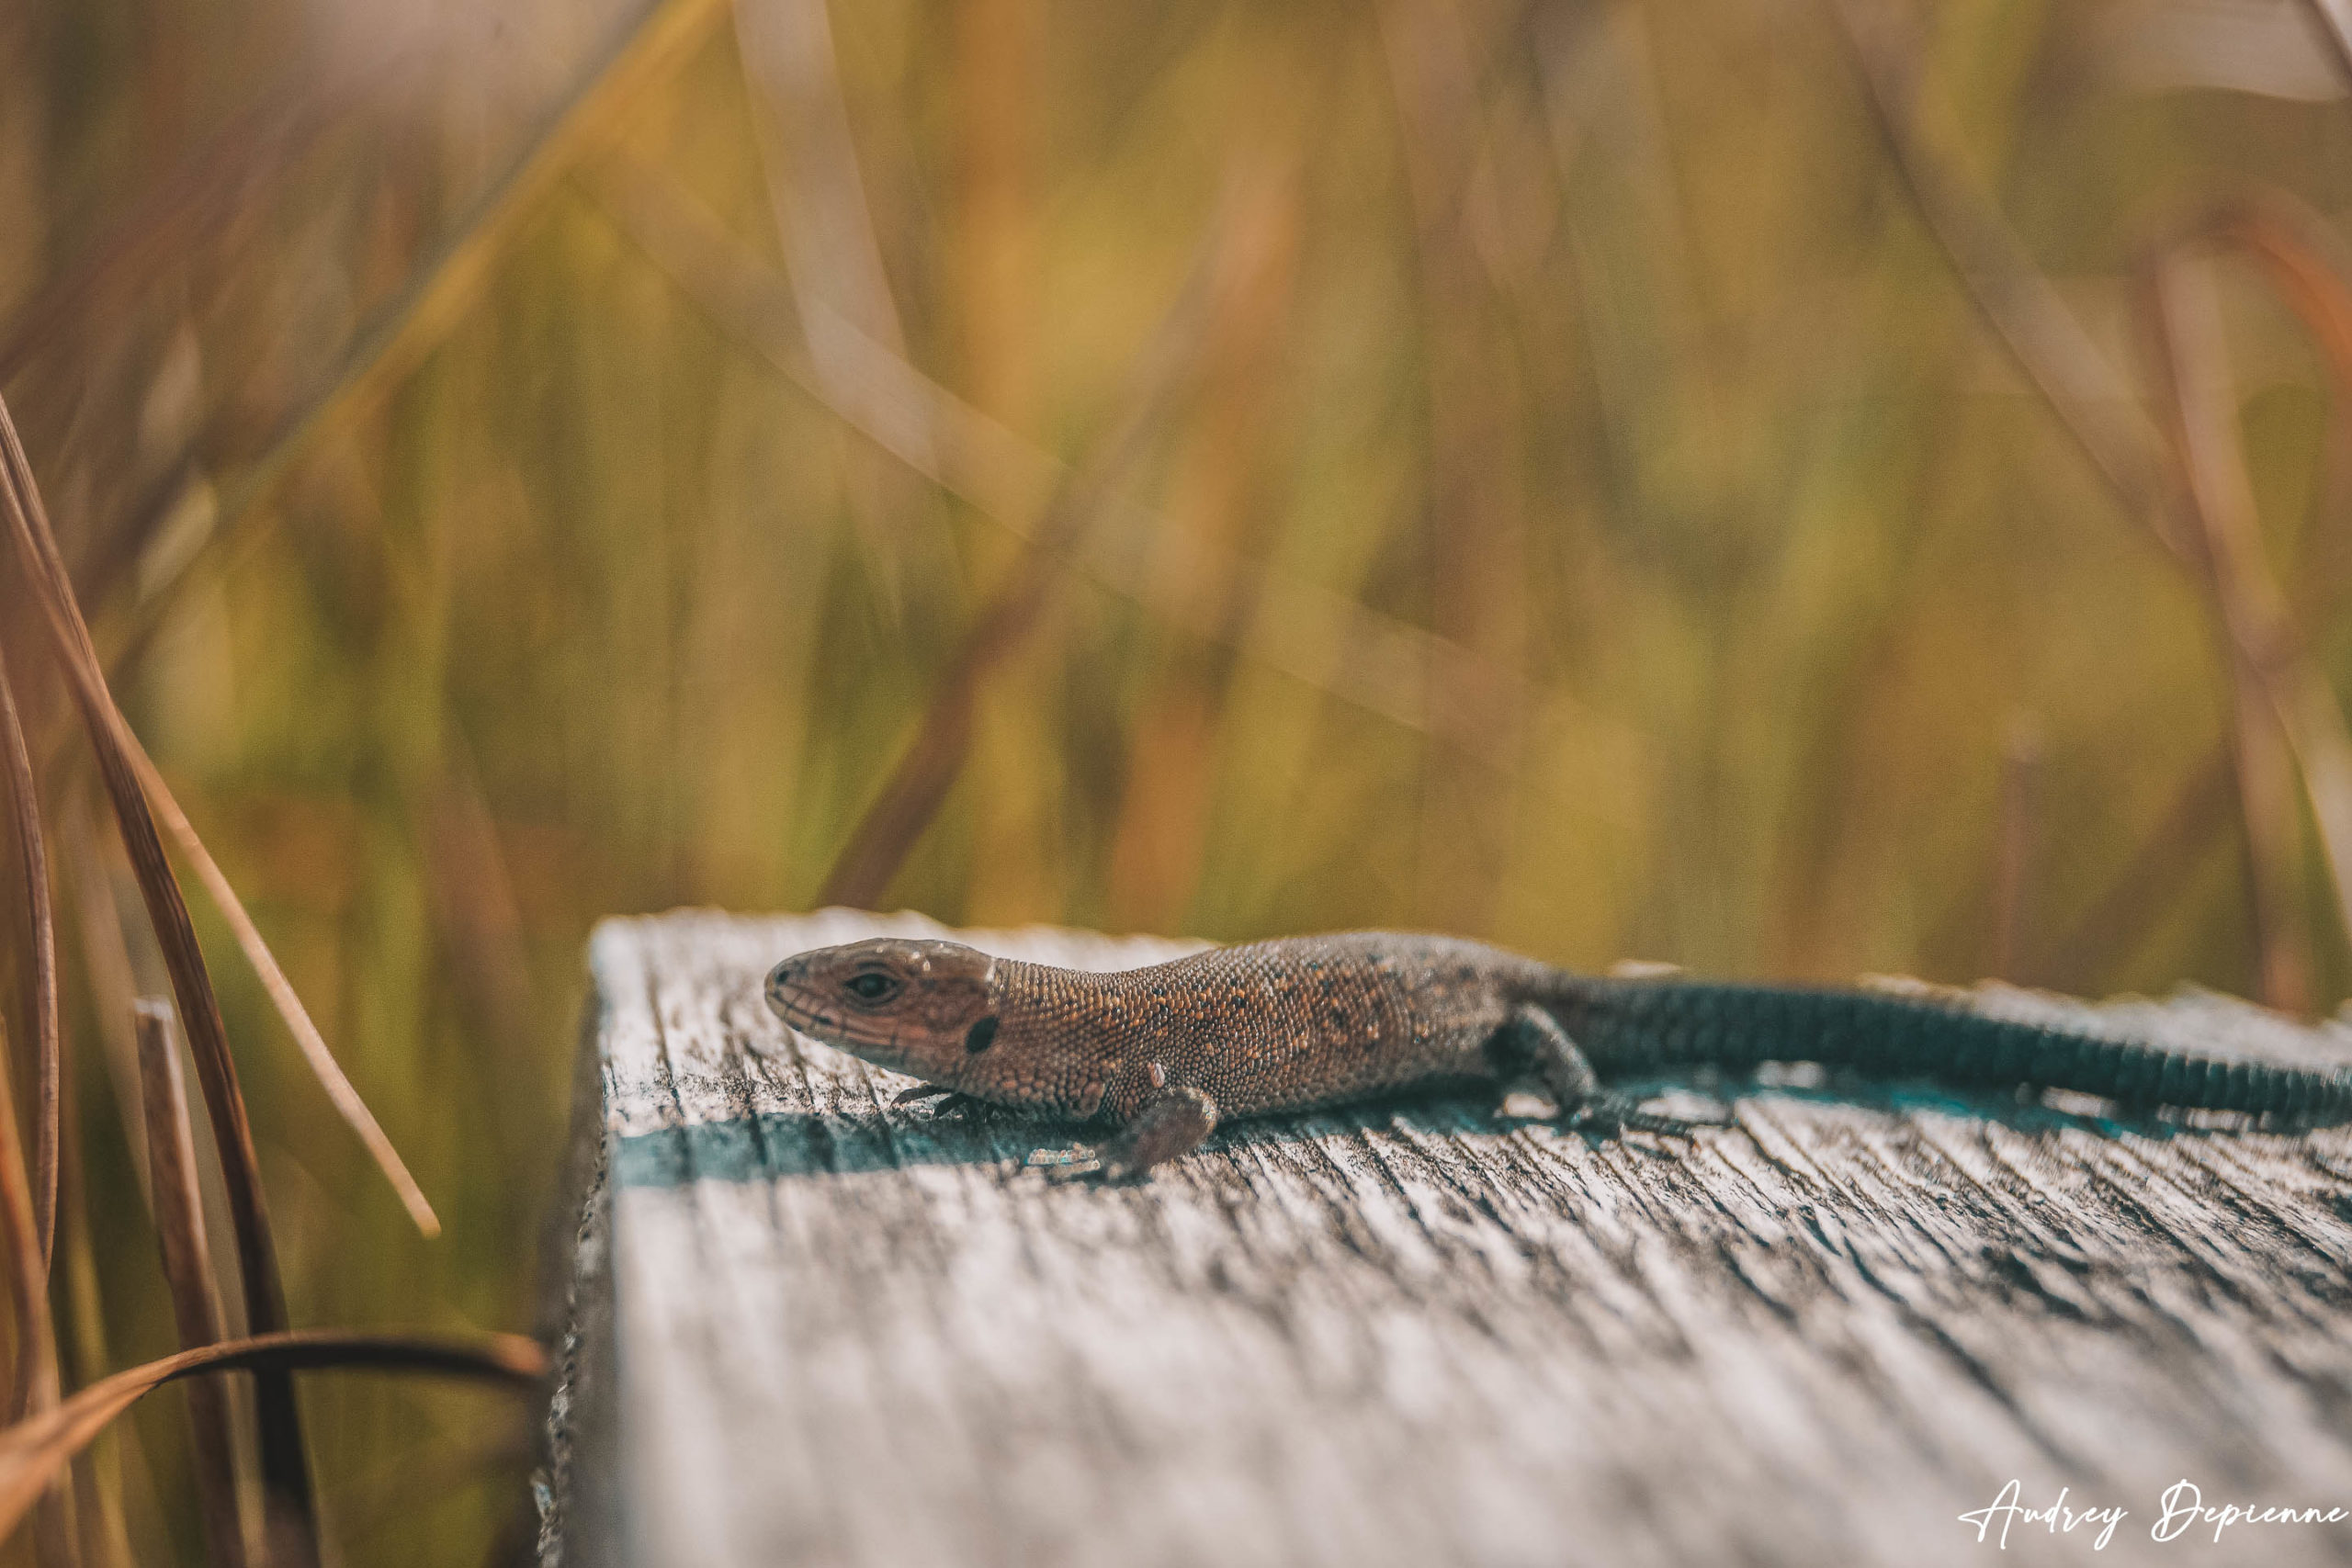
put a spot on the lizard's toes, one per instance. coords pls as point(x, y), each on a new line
point(1612, 1114)
point(1066, 1165)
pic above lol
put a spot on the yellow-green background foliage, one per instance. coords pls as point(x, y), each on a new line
point(1585, 509)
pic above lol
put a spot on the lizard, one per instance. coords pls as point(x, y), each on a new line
point(1168, 1052)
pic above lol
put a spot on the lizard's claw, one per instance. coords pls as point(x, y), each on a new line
point(943, 1101)
point(1612, 1114)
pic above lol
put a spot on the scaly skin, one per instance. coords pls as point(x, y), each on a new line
point(1168, 1052)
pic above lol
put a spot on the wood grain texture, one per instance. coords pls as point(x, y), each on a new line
point(800, 1327)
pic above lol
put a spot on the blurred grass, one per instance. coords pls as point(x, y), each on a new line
point(1700, 553)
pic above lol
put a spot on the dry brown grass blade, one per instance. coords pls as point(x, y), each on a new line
point(34, 1451)
point(105, 961)
point(2267, 646)
point(103, 1532)
point(282, 996)
point(928, 769)
point(32, 855)
point(32, 1385)
point(33, 1377)
point(285, 1467)
point(187, 1270)
point(1316, 636)
point(2191, 361)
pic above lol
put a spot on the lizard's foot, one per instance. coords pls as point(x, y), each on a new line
point(1611, 1113)
point(1100, 1165)
point(1171, 1123)
point(1534, 1045)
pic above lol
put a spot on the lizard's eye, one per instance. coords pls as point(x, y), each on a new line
point(870, 986)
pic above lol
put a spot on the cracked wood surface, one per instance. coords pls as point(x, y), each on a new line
point(800, 1327)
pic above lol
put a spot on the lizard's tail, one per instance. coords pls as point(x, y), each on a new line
point(1631, 1025)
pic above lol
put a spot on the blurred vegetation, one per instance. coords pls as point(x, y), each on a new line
point(1529, 471)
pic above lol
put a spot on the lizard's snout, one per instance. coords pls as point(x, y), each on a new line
point(785, 981)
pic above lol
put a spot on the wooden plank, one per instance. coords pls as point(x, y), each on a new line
point(834, 1332)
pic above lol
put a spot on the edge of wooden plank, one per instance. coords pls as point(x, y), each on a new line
point(576, 1526)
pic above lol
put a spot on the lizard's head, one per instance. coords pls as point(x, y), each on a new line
point(925, 1008)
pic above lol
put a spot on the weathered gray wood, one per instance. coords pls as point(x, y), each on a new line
point(818, 1330)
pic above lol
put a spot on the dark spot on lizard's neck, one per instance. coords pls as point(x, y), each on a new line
point(980, 1036)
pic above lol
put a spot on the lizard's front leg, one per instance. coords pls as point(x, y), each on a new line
point(1171, 1123)
point(1532, 1044)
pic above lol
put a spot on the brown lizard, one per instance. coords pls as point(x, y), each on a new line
point(1168, 1052)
